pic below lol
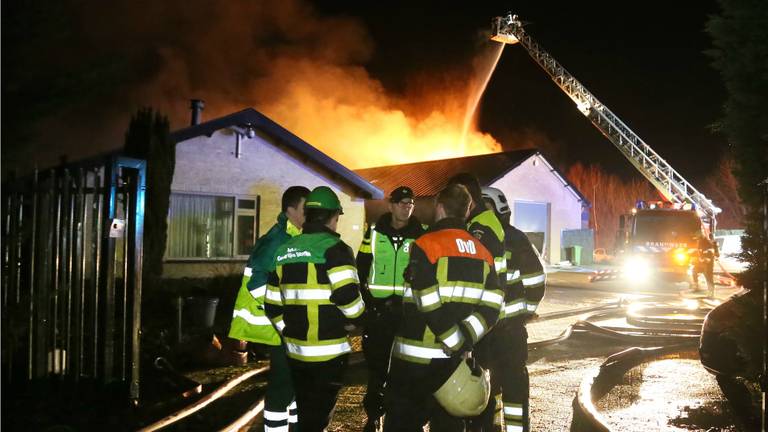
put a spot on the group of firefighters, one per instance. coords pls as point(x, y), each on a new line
point(442, 310)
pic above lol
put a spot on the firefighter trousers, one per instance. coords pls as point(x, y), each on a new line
point(504, 352)
point(279, 402)
point(377, 347)
point(409, 401)
point(317, 385)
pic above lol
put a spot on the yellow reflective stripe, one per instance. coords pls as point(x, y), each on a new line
point(453, 338)
point(492, 297)
point(534, 280)
point(457, 292)
point(514, 428)
point(251, 318)
point(273, 295)
point(477, 325)
point(500, 264)
point(279, 323)
point(513, 276)
point(531, 306)
point(310, 351)
point(402, 348)
point(515, 308)
point(354, 309)
point(259, 292)
point(306, 294)
point(427, 299)
point(342, 275)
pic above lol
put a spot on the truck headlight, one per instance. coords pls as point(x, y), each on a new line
point(680, 256)
point(637, 269)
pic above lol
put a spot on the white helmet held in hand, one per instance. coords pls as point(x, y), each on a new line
point(464, 393)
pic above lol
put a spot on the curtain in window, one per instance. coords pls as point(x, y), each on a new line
point(200, 226)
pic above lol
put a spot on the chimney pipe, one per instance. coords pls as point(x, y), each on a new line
point(197, 106)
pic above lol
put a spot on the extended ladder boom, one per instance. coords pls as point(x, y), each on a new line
point(670, 183)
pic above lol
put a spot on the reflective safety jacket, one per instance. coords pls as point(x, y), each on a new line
point(452, 297)
point(249, 323)
point(313, 293)
point(485, 226)
point(383, 257)
point(525, 275)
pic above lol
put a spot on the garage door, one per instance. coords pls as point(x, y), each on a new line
point(533, 219)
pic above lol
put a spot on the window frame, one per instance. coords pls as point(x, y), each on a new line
point(256, 213)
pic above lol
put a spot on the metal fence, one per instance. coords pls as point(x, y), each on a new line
point(71, 282)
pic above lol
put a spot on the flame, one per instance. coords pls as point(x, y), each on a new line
point(347, 114)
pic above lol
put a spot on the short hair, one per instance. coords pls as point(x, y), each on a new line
point(455, 199)
point(319, 216)
point(293, 196)
point(470, 182)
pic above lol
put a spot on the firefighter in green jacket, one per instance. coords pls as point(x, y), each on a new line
point(249, 322)
point(525, 289)
point(451, 301)
point(381, 261)
point(313, 299)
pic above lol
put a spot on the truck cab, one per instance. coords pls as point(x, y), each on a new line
point(658, 241)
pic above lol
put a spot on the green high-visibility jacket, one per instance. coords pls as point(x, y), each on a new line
point(249, 322)
point(313, 293)
point(379, 263)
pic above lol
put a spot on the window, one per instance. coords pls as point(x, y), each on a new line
point(207, 226)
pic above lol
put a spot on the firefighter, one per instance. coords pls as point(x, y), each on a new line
point(485, 226)
point(525, 289)
point(250, 324)
point(450, 302)
point(381, 261)
point(313, 300)
point(704, 263)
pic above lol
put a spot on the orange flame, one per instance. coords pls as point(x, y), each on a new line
point(347, 114)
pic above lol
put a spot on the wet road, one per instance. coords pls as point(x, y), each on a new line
point(672, 394)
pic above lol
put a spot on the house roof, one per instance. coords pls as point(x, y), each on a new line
point(428, 178)
point(249, 117)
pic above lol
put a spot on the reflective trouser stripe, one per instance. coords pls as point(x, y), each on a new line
point(513, 417)
point(275, 421)
point(384, 291)
point(292, 413)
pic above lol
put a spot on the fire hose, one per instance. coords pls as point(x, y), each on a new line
point(686, 333)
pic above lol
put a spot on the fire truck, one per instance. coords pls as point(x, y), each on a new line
point(656, 240)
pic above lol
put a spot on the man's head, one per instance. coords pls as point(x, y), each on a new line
point(470, 182)
point(401, 206)
point(453, 201)
point(293, 204)
point(323, 207)
point(496, 201)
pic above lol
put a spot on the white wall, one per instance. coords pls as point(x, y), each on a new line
point(534, 181)
point(209, 165)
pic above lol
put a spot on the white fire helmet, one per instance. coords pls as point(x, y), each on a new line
point(497, 198)
point(464, 393)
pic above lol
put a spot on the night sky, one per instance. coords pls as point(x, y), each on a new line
point(73, 72)
point(644, 60)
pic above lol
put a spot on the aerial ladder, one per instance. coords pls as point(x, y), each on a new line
point(676, 189)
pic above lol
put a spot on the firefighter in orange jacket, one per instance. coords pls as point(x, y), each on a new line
point(451, 301)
